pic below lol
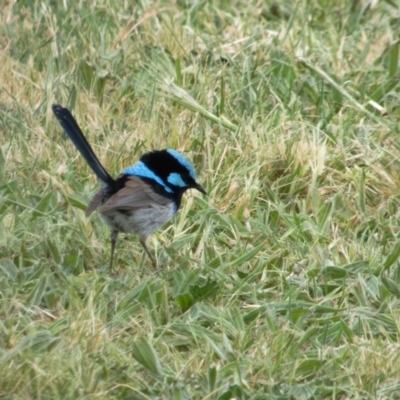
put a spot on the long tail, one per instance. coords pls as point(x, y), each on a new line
point(68, 123)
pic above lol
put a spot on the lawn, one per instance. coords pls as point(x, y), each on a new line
point(283, 282)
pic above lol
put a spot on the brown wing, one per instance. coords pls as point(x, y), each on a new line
point(135, 194)
point(95, 202)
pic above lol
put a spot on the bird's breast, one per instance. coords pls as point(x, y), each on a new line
point(142, 221)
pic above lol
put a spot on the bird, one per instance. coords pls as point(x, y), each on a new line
point(143, 197)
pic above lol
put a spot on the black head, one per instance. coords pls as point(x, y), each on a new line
point(175, 171)
point(168, 170)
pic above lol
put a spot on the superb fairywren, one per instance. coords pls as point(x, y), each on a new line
point(141, 199)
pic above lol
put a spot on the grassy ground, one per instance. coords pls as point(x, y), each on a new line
point(284, 282)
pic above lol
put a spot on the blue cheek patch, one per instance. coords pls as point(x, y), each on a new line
point(176, 180)
point(182, 160)
point(141, 170)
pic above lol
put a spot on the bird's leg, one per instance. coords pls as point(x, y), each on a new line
point(113, 238)
point(143, 243)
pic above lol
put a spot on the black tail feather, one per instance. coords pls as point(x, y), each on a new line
point(70, 126)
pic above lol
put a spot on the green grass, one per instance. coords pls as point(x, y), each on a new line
point(283, 283)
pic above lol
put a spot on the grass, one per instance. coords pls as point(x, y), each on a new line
point(283, 283)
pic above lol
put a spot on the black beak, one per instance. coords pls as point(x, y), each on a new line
point(199, 188)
